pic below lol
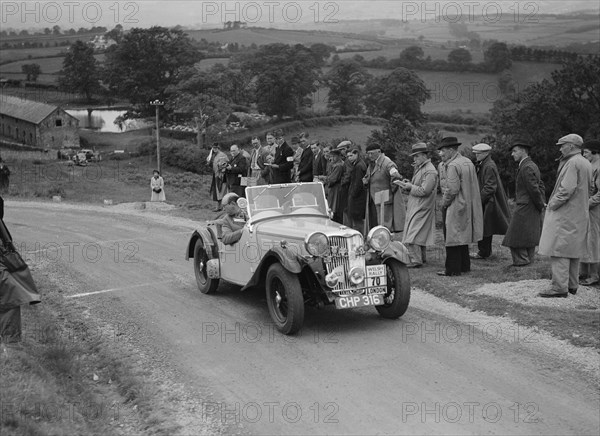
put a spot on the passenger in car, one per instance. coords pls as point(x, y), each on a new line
point(231, 230)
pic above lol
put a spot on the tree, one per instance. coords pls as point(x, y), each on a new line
point(81, 71)
point(32, 71)
point(116, 34)
point(543, 112)
point(285, 75)
point(411, 54)
point(47, 31)
point(145, 63)
point(460, 57)
point(346, 81)
point(497, 57)
point(56, 30)
point(402, 92)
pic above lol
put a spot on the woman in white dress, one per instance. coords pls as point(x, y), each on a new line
point(158, 187)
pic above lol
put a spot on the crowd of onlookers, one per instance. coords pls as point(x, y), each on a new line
point(365, 189)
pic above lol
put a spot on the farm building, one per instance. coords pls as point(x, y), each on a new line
point(37, 124)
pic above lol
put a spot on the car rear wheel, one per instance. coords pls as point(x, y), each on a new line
point(397, 296)
point(285, 300)
point(205, 284)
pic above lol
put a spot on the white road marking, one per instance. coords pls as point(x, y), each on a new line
point(85, 294)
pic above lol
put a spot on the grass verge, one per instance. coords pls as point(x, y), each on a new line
point(69, 377)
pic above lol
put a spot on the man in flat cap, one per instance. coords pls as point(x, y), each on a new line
point(381, 172)
point(567, 218)
point(419, 227)
point(590, 264)
point(523, 233)
point(218, 161)
point(232, 229)
point(283, 160)
point(496, 213)
point(461, 207)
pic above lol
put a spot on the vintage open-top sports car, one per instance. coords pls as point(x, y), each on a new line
point(291, 248)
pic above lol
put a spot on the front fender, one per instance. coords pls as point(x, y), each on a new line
point(207, 240)
point(284, 256)
point(398, 251)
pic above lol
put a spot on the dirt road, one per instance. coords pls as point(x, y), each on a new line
point(349, 372)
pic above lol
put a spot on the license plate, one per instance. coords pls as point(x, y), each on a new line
point(376, 276)
point(353, 301)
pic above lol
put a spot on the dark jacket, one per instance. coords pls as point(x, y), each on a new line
point(239, 168)
point(496, 213)
point(284, 158)
point(526, 225)
point(319, 164)
point(231, 231)
point(305, 169)
point(357, 191)
point(335, 172)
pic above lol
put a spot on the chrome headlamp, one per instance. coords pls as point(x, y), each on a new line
point(317, 244)
point(379, 238)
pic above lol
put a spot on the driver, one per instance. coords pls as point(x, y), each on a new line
point(231, 230)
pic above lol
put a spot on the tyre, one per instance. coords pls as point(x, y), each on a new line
point(397, 296)
point(285, 300)
point(205, 284)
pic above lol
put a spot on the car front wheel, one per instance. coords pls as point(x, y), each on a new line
point(284, 298)
point(397, 296)
point(205, 284)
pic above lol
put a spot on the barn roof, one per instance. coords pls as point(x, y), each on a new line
point(28, 110)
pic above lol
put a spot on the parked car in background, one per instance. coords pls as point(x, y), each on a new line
point(292, 249)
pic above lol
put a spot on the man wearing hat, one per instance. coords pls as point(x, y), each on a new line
point(419, 227)
point(283, 160)
point(567, 218)
point(348, 167)
point(591, 262)
point(357, 192)
point(461, 207)
point(231, 229)
point(218, 161)
point(523, 233)
point(496, 213)
point(381, 172)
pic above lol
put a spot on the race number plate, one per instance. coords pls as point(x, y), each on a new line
point(358, 301)
point(376, 276)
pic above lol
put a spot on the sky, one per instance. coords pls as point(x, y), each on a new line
point(209, 14)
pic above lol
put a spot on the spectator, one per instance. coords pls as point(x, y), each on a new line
point(496, 213)
point(357, 193)
point(17, 286)
point(283, 160)
point(270, 138)
point(296, 157)
point(343, 147)
point(591, 262)
point(335, 172)
point(235, 169)
point(218, 186)
point(257, 159)
point(157, 184)
point(381, 172)
point(567, 218)
point(305, 169)
point(319, 161)
point(4, 177)
point(523, 233)
point(266, 174)
point(419, 228)
point(462, 213)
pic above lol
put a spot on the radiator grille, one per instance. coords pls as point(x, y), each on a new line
point(344, 255)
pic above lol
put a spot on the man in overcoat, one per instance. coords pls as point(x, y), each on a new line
point(257, 158)
point(335, 172)
point(305, 169)
point(496, 213)
point(217, 160)
point(461, 207)
point(283, 160)
point(591, 262)
point(567, 218)
point(381, 172)
point(4, 177)
point(525, 227)
point(235, 170)
point(357, 192)
point(419, 228)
